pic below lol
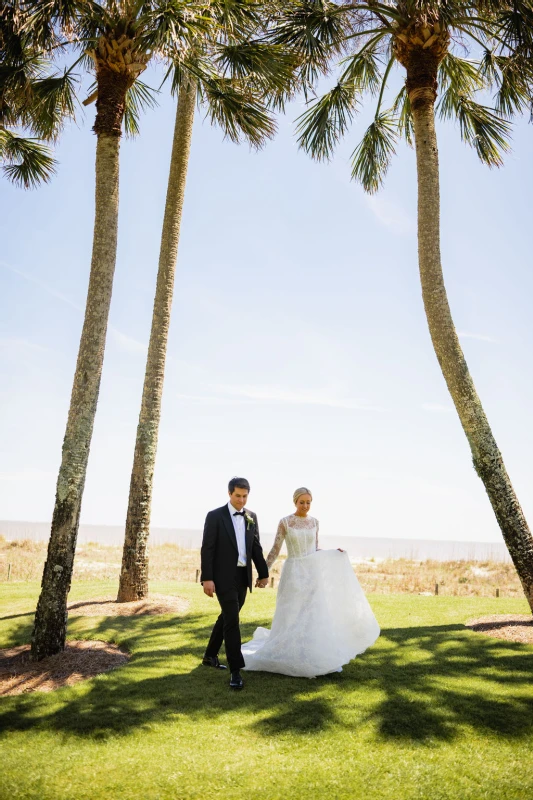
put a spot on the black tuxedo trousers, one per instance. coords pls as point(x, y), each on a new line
point(226, 628)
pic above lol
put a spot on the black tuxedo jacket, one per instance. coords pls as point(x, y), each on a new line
point(220, 551)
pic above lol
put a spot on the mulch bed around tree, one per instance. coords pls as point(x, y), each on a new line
point(512, 627)
point(79, 661)
point(104, 607)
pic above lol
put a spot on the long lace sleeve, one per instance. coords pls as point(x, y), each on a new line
point(317, 547)
point(278, 541)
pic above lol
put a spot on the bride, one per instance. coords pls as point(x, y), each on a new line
point(322, 618)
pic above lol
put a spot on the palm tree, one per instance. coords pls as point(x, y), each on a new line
point(134, 571)
point(420, 37)
point(32, 97)
point(233, 73)
point(120, 37)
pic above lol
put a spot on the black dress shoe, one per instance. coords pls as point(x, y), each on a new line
point(236, 682)
point(212, 661)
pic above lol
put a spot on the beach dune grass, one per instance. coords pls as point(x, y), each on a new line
point(433, 710)
point(24, 560)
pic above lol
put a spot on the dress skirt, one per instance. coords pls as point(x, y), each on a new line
point(322, 619)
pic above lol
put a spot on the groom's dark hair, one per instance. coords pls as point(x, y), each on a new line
point(238, 483)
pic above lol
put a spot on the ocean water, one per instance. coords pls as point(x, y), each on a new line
point(357, 547)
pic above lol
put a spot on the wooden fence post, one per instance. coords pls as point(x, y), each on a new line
point(271, 583)
point(197, 575)
point(8, 571)
point(436, 589)
point(497, 592)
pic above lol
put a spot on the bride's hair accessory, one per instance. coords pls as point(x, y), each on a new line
point(299, 492)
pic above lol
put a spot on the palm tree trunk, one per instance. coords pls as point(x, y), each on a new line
point(486, 456)
point(134, 572)
point(50, 626)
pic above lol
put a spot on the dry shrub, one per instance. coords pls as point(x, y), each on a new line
point(454, 578)
point(171, 562)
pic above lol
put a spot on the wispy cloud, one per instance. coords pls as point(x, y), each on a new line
point(127, 343)
point(280, 394)
point(205, 399)
point(390, 214)
point(42, 285)
point(13, 343)
point(437, 408)
point(27, 475)
point(481, 337)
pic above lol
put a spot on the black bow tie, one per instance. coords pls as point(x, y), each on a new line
point(238, 514)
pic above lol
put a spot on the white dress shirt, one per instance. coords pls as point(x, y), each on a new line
point(240, 533)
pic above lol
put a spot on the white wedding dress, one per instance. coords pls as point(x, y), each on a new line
point(322, 618)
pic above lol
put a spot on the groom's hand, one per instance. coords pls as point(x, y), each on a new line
point(261, 583)
point(209, 588)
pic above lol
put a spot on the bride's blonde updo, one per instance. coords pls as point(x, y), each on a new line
point(299, 492)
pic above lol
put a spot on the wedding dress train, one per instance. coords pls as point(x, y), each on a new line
point(322, 618)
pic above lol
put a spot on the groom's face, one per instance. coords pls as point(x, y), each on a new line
point(238, 498)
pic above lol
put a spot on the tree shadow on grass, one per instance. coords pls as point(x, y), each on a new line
point(418, 685)
point(436, 679)
point(17, 616)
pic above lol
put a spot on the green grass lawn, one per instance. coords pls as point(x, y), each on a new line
point(432, 711)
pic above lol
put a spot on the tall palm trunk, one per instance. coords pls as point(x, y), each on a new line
point(49, 632)
point(486, 456)
point(134, 573)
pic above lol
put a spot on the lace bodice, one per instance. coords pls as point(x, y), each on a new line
point(300, 535)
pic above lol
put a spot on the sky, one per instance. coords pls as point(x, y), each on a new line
point(299, 352)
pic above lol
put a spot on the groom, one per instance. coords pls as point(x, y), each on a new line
point(230, 544)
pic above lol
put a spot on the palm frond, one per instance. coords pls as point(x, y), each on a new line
point(460, 75)
point(515, 24)
point(363, 70)
point(49, 20)
point(172, 25)
point(483, 129)
point(27, 162)
point(271, 66)
point(235, 21)
point(53, 101)
point(191, 65)
point(239, 112)
point(322, 125)
point(512, 77)
point(515, 90)
point(489, 67)
point(139, 98)
point(314, 30)
point(458, 78)
point(402, 109)
point(17, 72)
point(371, 158)
point(33, 97)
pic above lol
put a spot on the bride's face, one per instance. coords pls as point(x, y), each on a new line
point(303, 504)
